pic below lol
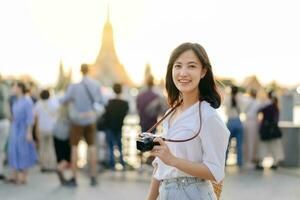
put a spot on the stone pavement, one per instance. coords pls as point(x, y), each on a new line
point(282, 184)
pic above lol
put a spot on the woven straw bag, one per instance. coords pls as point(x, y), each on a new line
point(217, 188)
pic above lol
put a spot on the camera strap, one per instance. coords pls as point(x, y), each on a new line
point(166, 115)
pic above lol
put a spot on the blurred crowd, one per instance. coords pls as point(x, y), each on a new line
point(40, 127)
point(253, 124)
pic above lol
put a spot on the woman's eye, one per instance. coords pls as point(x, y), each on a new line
point(177, 66)
point(192, 66)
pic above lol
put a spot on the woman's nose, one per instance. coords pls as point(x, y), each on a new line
point(183, 71)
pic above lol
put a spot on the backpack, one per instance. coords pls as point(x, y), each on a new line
point(156, 107)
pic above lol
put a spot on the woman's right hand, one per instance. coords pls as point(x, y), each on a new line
point(163, 152)
point(87, 115)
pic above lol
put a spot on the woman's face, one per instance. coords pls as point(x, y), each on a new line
point(187, 72)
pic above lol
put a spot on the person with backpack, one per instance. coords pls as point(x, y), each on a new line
point(270, 140)
point(149, 106)
point(144, 100)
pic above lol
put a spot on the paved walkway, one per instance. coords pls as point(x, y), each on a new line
point(282, 184)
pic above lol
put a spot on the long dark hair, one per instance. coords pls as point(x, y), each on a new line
point(22, 86)
point(234, 91)
point(207, 86)
point(274, 99)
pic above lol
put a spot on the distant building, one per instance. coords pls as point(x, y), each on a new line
point(222, 82)
point(107, 68)
point(64, 78)
point(148, 71)
point(251, 83)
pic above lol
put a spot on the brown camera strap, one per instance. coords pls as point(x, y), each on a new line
point(166, 115)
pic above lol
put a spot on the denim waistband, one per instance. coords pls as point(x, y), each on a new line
point(183, 180)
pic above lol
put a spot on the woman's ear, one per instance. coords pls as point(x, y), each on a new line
point(203, 72)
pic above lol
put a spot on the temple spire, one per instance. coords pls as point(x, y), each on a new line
point(64, 78)
point(108, 14)
point(148, 71)
point(107, 68)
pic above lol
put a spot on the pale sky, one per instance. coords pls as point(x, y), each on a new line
point(242, 38)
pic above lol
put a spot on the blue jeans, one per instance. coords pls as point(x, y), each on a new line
point(182, 188)
point(112, 139)
point(236, 131)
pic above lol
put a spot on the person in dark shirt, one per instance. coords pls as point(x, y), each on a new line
point(116, 110)
point(270, 143)
point(143, 100)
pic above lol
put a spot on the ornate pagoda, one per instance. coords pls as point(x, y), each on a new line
point(107, 68)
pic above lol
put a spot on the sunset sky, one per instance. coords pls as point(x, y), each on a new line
point(242, 38)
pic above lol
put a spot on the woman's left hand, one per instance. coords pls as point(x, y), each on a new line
point(163, 152)
point(29, 136)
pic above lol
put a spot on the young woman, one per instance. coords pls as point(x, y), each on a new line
point(21, 148)
point(270, 142)
point(182, 169)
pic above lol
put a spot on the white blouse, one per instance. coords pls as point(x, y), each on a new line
point(46, 112)
point(209, 147)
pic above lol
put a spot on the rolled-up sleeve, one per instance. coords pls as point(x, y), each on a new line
point(215, 137)
point(68, 95)
point(155, 172)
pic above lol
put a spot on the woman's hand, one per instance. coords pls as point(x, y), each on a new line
point(163, 152)
point(29, 136)
point(87, 115)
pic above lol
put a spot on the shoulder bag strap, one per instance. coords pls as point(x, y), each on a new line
point(88, 92)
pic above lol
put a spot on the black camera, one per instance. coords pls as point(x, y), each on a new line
point(146, 142)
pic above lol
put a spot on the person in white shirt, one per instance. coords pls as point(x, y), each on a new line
point(251, 128)
point(46, 114)
point(183, 169)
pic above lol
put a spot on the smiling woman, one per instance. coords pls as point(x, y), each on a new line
point(187, 72)
point(185, 167)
